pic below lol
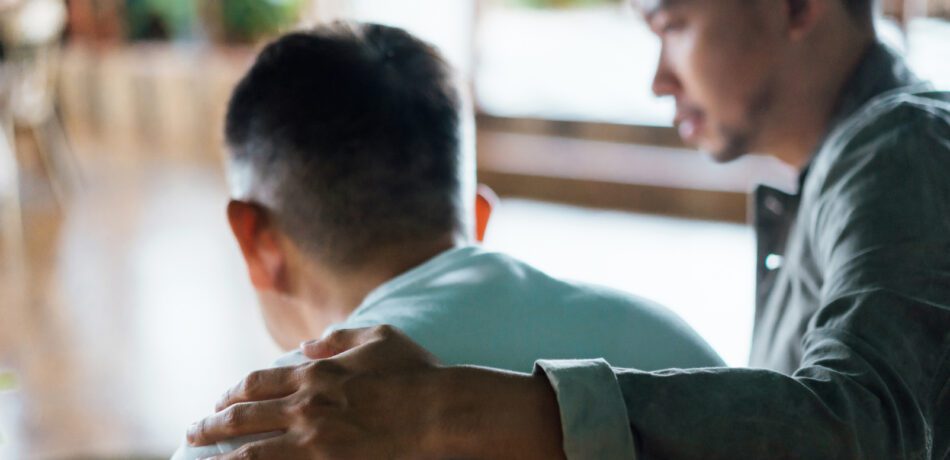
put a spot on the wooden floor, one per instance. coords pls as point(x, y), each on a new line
point(113, 325)
point(133, 313)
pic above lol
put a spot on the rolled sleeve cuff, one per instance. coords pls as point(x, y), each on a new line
point(593, 413)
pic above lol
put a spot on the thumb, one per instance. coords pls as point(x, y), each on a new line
point(338, 342)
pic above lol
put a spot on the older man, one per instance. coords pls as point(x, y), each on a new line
point(351, 181)
point(852, 336)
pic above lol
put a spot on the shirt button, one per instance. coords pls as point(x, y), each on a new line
point(774, 261)
point(773, 204)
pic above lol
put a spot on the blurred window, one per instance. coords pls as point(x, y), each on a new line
point(928, 49)
point(592, 60)
point(579, 60)
point(447, 24)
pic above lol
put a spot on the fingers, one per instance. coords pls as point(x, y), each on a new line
point(343, 340)
point(239, 420)
point(377, 348)
point(261, 385)
point(276, 447)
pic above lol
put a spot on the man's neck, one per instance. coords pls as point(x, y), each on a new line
point(808, 109)
point(340, 292)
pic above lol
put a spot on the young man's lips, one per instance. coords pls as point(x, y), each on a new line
point(688, 125)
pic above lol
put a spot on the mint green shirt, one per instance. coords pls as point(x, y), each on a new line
point(471, 306)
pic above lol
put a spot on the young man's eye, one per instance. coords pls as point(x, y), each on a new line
point(664, 23)
point(673, 25)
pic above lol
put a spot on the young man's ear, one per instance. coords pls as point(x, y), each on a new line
point(485, 201)
point(260, 244)
point(803, 15)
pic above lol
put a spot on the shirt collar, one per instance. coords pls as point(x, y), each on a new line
point(435, 265)
point(879, 71)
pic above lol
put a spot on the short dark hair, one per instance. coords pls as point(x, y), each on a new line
point(861, 9)
point(357, 126)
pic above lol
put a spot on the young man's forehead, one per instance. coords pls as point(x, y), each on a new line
point(650, 7)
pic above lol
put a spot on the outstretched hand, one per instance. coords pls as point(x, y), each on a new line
point(373, 393)
point(321, 406)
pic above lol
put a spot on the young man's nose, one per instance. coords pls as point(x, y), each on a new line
point(665, 82)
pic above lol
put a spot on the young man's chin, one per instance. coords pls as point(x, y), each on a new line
point(708, 148)
point(720, 150)
point(723, 156)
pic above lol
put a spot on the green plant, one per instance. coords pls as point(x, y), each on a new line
point(557, 3)
point(234, 21)
point(160, 19)
point(7, 381)
point(249, 20)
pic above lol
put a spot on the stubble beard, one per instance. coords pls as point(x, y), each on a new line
point(742, 138)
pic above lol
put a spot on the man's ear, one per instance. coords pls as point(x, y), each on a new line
point(485, 201)
point(803, 15)
point(260, 244)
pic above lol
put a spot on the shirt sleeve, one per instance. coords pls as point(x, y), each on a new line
point(593, 415)
point(874, 381)
point(188, 452)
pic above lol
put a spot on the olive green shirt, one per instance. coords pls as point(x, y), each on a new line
point(851, 350)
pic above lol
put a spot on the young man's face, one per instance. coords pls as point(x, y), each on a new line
point(719, 60)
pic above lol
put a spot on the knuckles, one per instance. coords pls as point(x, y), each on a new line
point(341, 339)
point(385, 332)
point(252, 384)
point(248, 452)
point(337, 338)
point(310, 406)
point(196, 434)
point(233, 417)
point(321, 369)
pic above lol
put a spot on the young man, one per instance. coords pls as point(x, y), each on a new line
point(351, 177)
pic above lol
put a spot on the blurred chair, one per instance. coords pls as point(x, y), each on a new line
point(903, 11)
point(30, 32)
point(11, 220)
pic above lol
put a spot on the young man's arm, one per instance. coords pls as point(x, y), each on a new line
point(382, 396)
point(874, 381)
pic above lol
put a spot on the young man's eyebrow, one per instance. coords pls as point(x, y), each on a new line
point(650, 8)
